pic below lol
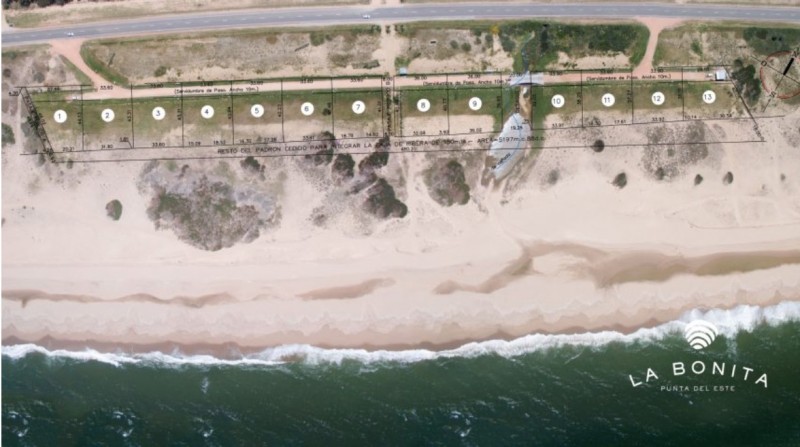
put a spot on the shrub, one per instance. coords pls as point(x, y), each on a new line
point(114, 209)
point(160, 71)
point(507, 44)
point(342, 167)
point(453, 44)
point(8, 134)
point(382, 202)
point(598, 146)
point(698, 179)
point(552, 177)
point(696, 48)
point(746, 80)
point(373, 161)
point(446, 183)
point(770, 40)
point(251, 164)
point(728, 179)
point(466, 47)
point(317, 39)
point(620, 180)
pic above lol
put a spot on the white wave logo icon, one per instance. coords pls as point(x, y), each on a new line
point(700, 334)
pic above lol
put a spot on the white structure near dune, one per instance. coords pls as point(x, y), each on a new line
point(510, 146)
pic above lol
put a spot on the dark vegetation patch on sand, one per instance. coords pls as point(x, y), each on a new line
point(114, 209)
point(446, 182)
point(620, 181)
point(205, 205)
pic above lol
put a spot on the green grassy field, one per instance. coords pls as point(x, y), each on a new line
point(101, 134)
point(726, 105)
point(188, 122)
point(568, 115)
point(66, 136)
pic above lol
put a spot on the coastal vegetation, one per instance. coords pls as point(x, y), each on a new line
point(206, 205)
point(446, 183)
point(8, 135)
point(114, 209)
point(534, 44)
point(728, 179)
point(621, 180)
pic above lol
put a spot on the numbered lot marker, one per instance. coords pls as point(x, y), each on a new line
point(159, 113)
point(475, 103)
point(60, 116)
point(307, 109)
point(207, 112)
point(107, 115)
point(423, 105)
point(608, 100)
point(257, 110)
point(359, 107)
point(557, 101)
point(658, 98)
point(709, 96)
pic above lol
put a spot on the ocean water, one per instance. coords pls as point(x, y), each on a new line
point(537, 390)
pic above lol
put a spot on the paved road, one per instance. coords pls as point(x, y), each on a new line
point(339, 15)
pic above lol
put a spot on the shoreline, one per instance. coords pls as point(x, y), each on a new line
point(295, 353)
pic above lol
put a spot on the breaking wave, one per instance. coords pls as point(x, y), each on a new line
point(729, 322)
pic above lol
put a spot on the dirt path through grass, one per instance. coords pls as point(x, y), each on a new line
point(655, 25)
point(71, 50)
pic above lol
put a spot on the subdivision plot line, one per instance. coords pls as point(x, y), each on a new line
point(399, 116)
point(583, 123)
point(133, 134)
point(773, 94)
point(501, 99)
point(398, 131)
point(558, 147)
point(233, 126)
point(739, 94)
point(382, 106)
point(632, 98)
point(183, 114)
point(83, 121)
point(565, 128)
point(532, 105)
point(447, 100)
point(333, 118)
point(683, 97)
point(283, 113)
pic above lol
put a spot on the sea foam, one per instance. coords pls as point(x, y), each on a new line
point(728, 321)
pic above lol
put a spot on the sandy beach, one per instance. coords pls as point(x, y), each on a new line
point(578, 256)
